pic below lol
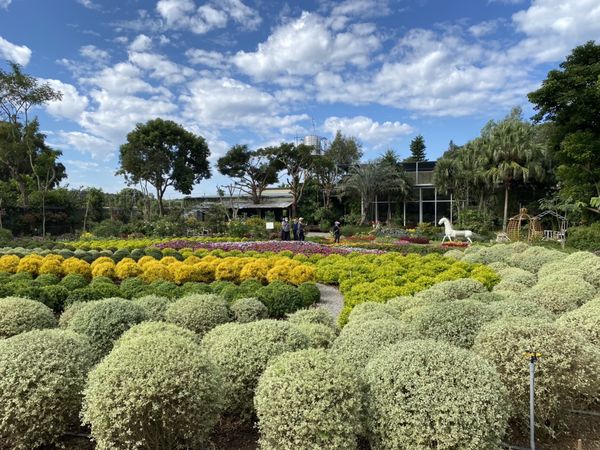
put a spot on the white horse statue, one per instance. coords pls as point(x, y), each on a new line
point(452, 233)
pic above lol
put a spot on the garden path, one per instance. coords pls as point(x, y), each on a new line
point(331, 299)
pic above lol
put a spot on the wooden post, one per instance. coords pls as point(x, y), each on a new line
point(579, 444)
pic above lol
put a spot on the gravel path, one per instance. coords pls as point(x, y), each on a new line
point(331, 299)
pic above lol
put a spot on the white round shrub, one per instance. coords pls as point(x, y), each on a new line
point(368, 308)
point(153, 391)
point(249, 310)
point(585, 320)
point(308, 400)
point(313, 315)
point(155, 306)
point(319, 335)
point(426, 394)
point(561, 295)
point(242, 351)
point(18, 315)
point(150, 328)
point(517, 275)
point(199, 312)
point(520, 308)
point(42, 375)
point(534, 258)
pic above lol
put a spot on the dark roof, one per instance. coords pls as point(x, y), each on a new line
point(422, 166)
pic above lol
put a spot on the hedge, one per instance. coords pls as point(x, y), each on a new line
point(198, 312)
point(18, 315)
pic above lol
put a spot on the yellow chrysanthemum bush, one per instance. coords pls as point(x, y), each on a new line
point(52, 266)
point(302, 274)
point(9, 263)
point(184, 273)
point(206, 270)
point(156, 271)
point(101, 260)
point(144, 260)
point(76, 266)
point(105, 269)
point(230, 269)
point(30, 263)
point(256, 269)
point(127, 268)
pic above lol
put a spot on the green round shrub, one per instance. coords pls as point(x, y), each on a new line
point(21, 276)
point(428, 394)
point(6, 290)
point(368, 308)
point(567, 375)
point(458, 289)
point(487, 297)
point(590, 264)
point(47, 279)
point(310, 293)
point(103, 321)
point(242, 352)
point(457, 323)
point(42, 375)
point(198, 312)
point(313, 315)
point(249, 310)
point(85, 294)
point(106, 290)
point(533, 258)
point(231, 293)
point(137, 253)
point(164, 289)
point(280, 298)
point(149, 328)
point(96, 281)
point(517, 275)
point(509, 286)
point(219, 285)
point(154, 252)
point(74, 281)
point(359, 342)
point(28, 290)
point(120, 254)
point(249, 288)
point(132, 288)
point(155, 306)
point(153, 391)
point(319, 335)
point(407, 302)
point(585, 320)
point(520, 308)
point(68, 313)
point(195, 288)
point(561, 295)
point(307, 400)
point(18, 315)
point(54, 296)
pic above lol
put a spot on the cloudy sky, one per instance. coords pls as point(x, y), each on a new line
point(265, 71)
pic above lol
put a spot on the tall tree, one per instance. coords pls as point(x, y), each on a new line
point(19, 135)
point(334, 163)
point(164, 154)
point(297, 161)
point(417, 149)
point(397, 184)
point(569, 100)
point(253, 170)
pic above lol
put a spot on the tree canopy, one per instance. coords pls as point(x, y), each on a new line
point(417, 149)
point(164, 154)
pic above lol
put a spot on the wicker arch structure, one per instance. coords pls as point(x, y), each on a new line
point(523, 226)
point(553, 234)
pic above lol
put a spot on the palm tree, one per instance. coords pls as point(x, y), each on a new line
point(397, 183)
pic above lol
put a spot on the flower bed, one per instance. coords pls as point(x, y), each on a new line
point(140, 243)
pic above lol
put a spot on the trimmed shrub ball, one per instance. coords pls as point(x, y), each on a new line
point(426, 394)
point(517, 275)
point(103, 321)
point(567, 375)
point(586, 320)
point(458, 289)
point(164, 289)
point(150, 328)
point(313, 315)
point(74, 281)
point(319, 335)
point(242, 352)
point(18, 315)
point(68, 313)
point(195, 288)
point(359, 342)
point(249, 310)
point(47, 279)
point(310, 293)
point(132, 287)
point(155, 306)
point(153, 391)
point(198, 312)
point(561, 295)
point(487, 297)
point(42, 376)
point(54, 297)
point(368, 308)
point(456, 324)
point(520, 308)
point(307, 400)
point(404, 303)
point(280, 298)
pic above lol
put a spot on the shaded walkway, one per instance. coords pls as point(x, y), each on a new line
point(331, 299)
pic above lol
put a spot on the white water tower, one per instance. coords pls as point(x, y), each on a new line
point(316, 142)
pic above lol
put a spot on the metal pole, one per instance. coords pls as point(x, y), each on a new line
point(532, 401)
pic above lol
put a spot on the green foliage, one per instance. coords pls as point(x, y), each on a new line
point(242, 352)
point(310, 294)
point(249, 310)
point(585, 237)
point(47, 279)
point(359, 342)
point(54, 297)
point(417, 149)
point(108, 228)
point(313, 315)
point(280, 298)
point(513, 307)
point(560, 295)
point(133, 399)
point(42, 375)
point(155, 306)
point(103, 321)
point(85, 294)
point(74, 281)
point(198, 312)
point(18, 315)
point(319, 335)
point(218, 286)
point(567, 376)
point(150, 328)
point(382, 310)
point(307, 400)
point(132, 288)
point(437, 384)
point(585, 320)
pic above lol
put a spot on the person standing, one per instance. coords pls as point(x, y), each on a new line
point(301, 229)
point(295, 229)
point(337, 231)
point(285, 230)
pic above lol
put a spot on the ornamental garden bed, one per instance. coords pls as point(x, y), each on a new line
point(239, 330)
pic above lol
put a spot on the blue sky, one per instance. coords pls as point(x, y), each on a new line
point(262, 72)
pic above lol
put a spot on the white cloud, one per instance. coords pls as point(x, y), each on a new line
point(554, 27)
point(229, 103)
point(160, 67)
point(97, 147)
point(141, 43)
point(81, 165)
point(368, 130)
point(94, 53)
point(198, 56)
point(362, 8)
point(72, 104)
point(306, 46)
point(484, 28)
point(20, 54)
point(88, 4)
point(122, 78)
point(184, 14)
point(5, 3)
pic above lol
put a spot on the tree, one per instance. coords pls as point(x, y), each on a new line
point(397, 183)
point(253, 169)
point(417, 149)
point(336, 160)
point(19, 137)
point(515, 155)
point(297, 161)
point(94, 203)
point(164, 154)
point(569, 100)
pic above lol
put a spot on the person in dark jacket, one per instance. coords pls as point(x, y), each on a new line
point(337, 231)
point(301, 229)
point(285, 230)
point(295, 229)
